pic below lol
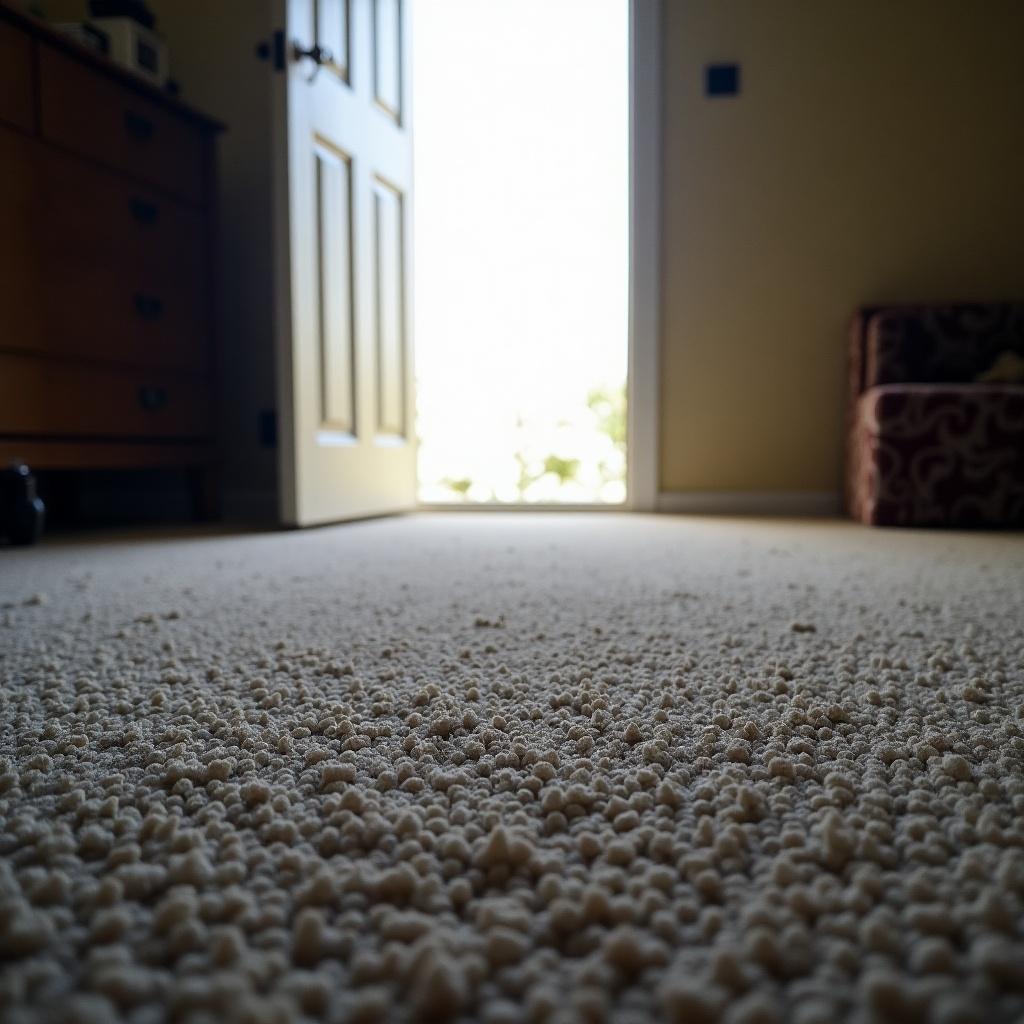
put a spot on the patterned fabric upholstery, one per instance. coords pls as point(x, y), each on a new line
point(945, 344)
point(938, 455)
point(926, 446)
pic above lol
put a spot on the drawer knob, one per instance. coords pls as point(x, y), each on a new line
point(138, 127)
point(152, 398)
point(149, 307)
point(145, 212)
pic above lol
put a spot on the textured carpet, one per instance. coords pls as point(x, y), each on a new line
point(515, 768)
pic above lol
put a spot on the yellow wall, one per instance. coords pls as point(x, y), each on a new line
point(875, 154)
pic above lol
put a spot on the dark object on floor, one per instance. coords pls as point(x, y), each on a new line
point(22, 512)
point(936, 416)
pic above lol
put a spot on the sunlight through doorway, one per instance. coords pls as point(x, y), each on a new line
point(521, 249)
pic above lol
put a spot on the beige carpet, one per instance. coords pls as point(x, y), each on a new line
point(515, 768)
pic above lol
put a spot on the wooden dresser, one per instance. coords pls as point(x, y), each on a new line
point(107, 296)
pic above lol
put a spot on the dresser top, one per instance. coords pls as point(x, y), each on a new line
point(46, 33)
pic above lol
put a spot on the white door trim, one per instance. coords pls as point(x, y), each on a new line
point(642, 449)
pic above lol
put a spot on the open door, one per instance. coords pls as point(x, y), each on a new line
point(343, 195)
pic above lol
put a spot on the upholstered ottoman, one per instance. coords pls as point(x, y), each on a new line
point(930, 441)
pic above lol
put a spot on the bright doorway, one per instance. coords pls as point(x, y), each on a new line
point(522, 249)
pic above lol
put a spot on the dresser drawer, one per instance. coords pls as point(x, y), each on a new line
point(64, 399)
point(98, 267)
point(97, 117)
point(16, 94)
point(128, 267)
point(20, 292)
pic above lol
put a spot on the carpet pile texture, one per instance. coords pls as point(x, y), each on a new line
point(514, 769)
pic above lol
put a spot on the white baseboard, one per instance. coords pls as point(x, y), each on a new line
point(751, 503)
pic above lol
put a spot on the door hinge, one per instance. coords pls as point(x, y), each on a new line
point(272, 50)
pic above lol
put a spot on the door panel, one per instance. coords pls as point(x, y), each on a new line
point(344, 277)
point(390, 355)
point(335, 260)
point(388, 58)
point(332, 33)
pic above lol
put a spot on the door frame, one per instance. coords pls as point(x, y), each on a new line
point(643, 395)
point(644, 289)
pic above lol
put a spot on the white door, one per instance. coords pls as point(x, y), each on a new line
point(343, 255)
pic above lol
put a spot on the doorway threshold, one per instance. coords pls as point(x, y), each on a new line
point(522, 506)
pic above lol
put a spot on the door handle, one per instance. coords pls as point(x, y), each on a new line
point(319, 55)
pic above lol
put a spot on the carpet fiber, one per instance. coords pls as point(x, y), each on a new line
point(514, 768)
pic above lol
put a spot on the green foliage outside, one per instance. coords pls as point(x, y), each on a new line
point(564, 469)
point(460, 487)
point(608, 406)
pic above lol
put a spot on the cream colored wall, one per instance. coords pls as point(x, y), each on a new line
point(875, 154)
